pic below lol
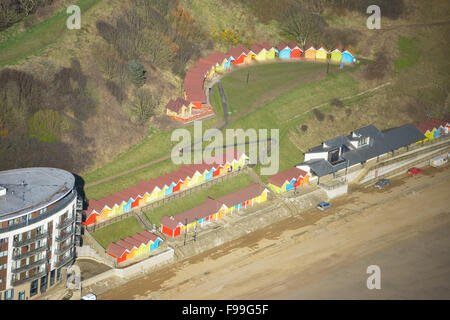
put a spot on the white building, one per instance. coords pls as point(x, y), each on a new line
point(38, 216)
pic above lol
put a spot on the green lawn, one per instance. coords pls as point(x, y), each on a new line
point(279, 112)
point(195, 199)
point(118, 230)
point(20, 45)
point(409, 53)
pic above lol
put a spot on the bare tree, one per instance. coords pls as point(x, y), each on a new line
point(302, 25)
point(144, 104)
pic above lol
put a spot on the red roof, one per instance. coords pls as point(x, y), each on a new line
point(119, 247)
point(281, 177)
point(281, 45)
point(125, 244)
point(175, 176)
point(266, 46)
point(236, 52)
point(209, 207)
point(431, 124)
point(212, 206)
point(309, 45)
point(176, 105)
point(149, 235)
point(256, 48)
point(252, 191)
point(116, 250)
point(169, 222)
point(293, 44)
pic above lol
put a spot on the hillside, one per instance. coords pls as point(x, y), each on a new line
point(80, 99)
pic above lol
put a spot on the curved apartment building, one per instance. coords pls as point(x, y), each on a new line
point(38, 223)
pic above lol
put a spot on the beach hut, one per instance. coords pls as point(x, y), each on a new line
point(347, 56)
point(336, 55)
point(287, 180)
point(270, 51)
point(259, 51)
point(237, 54)
point(249, 54)
point(310, 51)
point(321, 53)
point(296, 52)
point(283, 50)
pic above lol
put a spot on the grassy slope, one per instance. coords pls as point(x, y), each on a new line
point(119, 230)
point(273, 114)
point(38, 37)
point(193, 200)
point(278, 113)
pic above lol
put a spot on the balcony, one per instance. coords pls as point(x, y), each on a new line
point(65, 235)
point(28, 279)
point(37, 237)
point(64, 261)
point(30, 265)
point(30, 253)
point(59, 207)
point(64, 249)
point(67, 222)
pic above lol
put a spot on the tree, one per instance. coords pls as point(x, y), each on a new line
point(137, 73)
point(301, 25)
point(144, 104)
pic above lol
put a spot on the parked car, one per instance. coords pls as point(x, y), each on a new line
point(438, 161)
point(413, 171)
point(323, 206)
point(382, 183)
point(89, 296)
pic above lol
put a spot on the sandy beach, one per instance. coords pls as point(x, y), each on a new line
point(404, 229)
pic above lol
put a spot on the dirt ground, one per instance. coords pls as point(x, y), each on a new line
point(404, 229)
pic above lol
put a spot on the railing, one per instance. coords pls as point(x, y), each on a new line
point(30, 253)
point(66, 222)
point(64, 261)
point(30, 278)
point(64, 249)
point(65, 235)
point(37, 237)
point(30, 266)
point(60, 206)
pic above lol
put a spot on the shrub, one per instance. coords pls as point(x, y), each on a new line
point(337, 103)
point(318, 114)
point(304, 128)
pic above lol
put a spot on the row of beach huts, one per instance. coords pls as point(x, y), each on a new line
point(361, 145)
point(193, 104)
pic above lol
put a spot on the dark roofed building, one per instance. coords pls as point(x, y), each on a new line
point(359, 146)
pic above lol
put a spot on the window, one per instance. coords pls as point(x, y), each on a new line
point(9, 294)
point(4, 240)
point(22, 295)
point(34, 288)
point(363, 141)
point(52, 277)
point(3, 253)
point(44, 284)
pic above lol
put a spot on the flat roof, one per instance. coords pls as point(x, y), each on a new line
point(30, 189)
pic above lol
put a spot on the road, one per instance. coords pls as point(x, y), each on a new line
point(404, 229)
